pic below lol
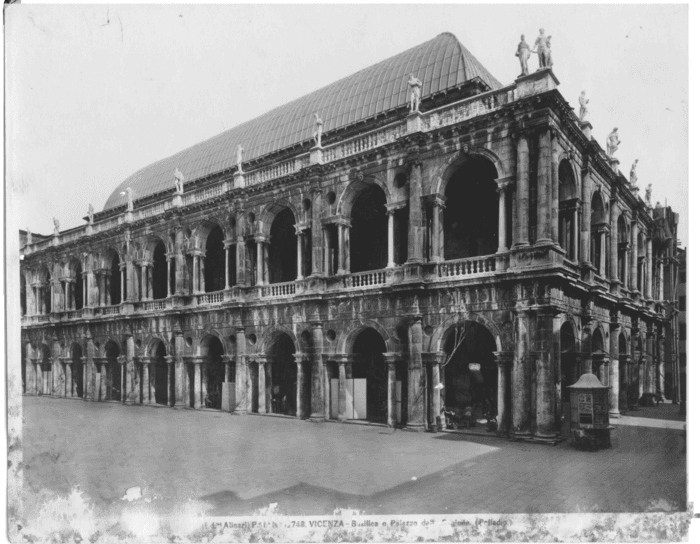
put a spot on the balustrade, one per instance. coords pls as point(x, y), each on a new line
point(365, 279)
point(467, 267)
point(279, 290)
point(211, 298)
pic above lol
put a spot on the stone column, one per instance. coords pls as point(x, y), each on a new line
point(504, 361)
point(416, 383)
point(614, 214)
point(341, 249)
point(170, 291)
point(327, 396)
point(415, 214)
point(603, 252)
point(144, 281)
point(171, 383)
point(301, 386)
point(585, 249)
point(554, 185)
point(181, 393)
point(650, 364)
point(521, 378)
point(89, 372)
point(390, 238)
point(544, 172)
point(661, 365)
point(241, 373)
point(576, 234)
point(197, 362)
point(624, 381)
point(317, 389)
point(202, 276)
point(262, 386)
point(546, 399)
point(391, 359)
point(649, 268)
point(300, 253)
point(240, 261)
point(259, 262)
point(522, 191)
point(316, 233)
point(661, 260)
point(327, 253)
point(614, 380)
point(435, 397)
point(132, 377)
point(502, 215)
point(227, 277)
point(633, 268)
point(146, 385)
point(342, 401)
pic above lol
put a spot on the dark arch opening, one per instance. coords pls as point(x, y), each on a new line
point(283, 376)
point(160, 272)
point(45, 370)
point(113, 372)
point(369, 348)
point(76, 363)
point(598, 350)
point(569, 368)
point(160, 379)
point(597, 234)
point(45, 303)
point(623, 378)
point(115, 282)
point(641, 254)
point(23, 294)
point(283, 248)
point(368, 235)
point(471, 212)
point(77, 287)
point(214, 373)
point(215, 261)
point(471, 375)
point(621, 250)
point(568, 199)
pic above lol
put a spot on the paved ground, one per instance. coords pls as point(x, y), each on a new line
point(238, 464)
point(665, 410)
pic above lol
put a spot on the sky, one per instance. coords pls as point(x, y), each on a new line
point(94, 93)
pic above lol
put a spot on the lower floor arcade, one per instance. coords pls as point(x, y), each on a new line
point(468, 372)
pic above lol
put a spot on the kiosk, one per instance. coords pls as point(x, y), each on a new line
point(590, 428)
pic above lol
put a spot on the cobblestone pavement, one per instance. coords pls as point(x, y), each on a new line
point(238, 464)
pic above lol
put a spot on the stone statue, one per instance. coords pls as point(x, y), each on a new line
point(613, 142)
point(319, 130)
point(91, 214)
point(129, 199)
point(416, 85)
point(647, 196)
point(523, 53)
point(29, 237)
point(548, 53)
point(541, 46)
point(633, 173)
point(179, 181)
point(583, 109)
point(239, 157)
point(56, 226)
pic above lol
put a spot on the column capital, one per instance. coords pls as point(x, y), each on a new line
point(316, 325)
point(300, 358)
point(504, 182)
point(392, 357)
point(261, 238)
point(503, 358)
point(432, 358)
point(435, 200)
point(414, 318)
point(169, 359)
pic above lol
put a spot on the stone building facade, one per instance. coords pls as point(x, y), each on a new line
point(478, 251)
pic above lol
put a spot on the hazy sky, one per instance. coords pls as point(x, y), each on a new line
point(94, 93)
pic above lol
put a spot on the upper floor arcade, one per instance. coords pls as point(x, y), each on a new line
point(503, 183)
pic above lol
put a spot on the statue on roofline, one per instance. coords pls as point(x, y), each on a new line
point(542, 50)
point(613, 142)
point(415, 85)
point(179, 182)
point(583, 109)
point(633, 173)
point(56, 226)
point(647, 196)
point(29, 237)
point(523, 53)
point(548, 53)
point(318, 132)
point(91, 214)
point(239, 157)
point(129, 199)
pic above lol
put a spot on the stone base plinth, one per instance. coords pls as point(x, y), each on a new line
point(586, 127)
point(228, 396)
point(414, 122)
point(541, 81)
point(316, 155)
point(238, 180)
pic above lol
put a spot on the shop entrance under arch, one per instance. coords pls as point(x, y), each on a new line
point(470, 376)
point(76, 385)
point(113, 373)
point(283, 376)
point(160, 374)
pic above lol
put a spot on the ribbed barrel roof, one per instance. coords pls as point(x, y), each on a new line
point(440, 63)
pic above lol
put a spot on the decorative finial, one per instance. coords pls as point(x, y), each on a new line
point(416, 85)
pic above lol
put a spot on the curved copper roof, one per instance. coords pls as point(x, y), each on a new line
point(440, 64)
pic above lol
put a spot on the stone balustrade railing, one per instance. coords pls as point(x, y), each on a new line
point(276, 170)
point(472, 266)
point(275, 290)
point(373, 278)
point(108, 310)
point(151, 305)
point(365, 142)
point(211, 298)
point(468, 108)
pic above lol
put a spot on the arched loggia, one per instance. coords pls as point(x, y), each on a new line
point(160, 374)
point(623, 374)
point(112, 374)
point(283, 248)
point(369, 365)
point(471, 375)
point(568, 210)
point(368, 240)
point(115, 283)
point(471, 212)
point(215, 261)
point(160, 272)
point(76, 385)
point(283, 376)
point(214, 373)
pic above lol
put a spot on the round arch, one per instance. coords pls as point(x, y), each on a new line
point(347, 339)
point(270, 212)
point(355, 188)
point(368, 242)
point(442, 177)
point(281, 374)
point(282, 257)
point(442, 332)
point(272, 333)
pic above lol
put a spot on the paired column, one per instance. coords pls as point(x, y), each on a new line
point(544, 173)
point(416, 381)
point(392, 417)
point(437, 233)
point(301, 386)
point(521, 378)
point(554, 186)
point(198, 392)
point(317, 390)
point(503, 185)
point(261, 261)
point(390, 238)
